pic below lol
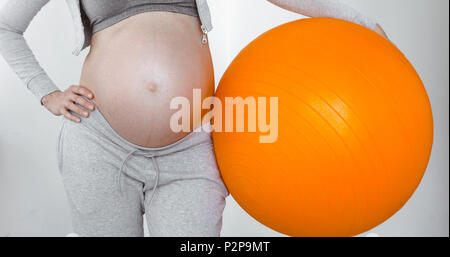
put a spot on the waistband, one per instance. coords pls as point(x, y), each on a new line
point(98, 124)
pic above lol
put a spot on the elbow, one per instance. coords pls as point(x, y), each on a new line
point(8, 25)
point(8, 33)
point(8, 28)
point(8, 37)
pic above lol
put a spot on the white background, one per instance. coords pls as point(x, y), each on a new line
point(32, 198)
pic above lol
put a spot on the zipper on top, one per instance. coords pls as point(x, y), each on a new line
point(205, 35)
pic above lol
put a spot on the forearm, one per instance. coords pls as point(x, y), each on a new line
point(20, 58)
point(14, 19)
point(326, 8)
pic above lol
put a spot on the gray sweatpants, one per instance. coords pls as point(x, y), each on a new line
point(110, 183)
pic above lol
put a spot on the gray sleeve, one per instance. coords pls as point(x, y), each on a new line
point(326, 8)
point(15, 16)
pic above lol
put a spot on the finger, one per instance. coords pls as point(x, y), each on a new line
point(78, 110)
point(71, 117)
point(80, 90)
point(81, 101)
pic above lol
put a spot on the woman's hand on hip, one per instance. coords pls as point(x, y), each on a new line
point(61, 102)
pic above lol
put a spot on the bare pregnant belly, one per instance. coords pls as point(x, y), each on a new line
point(136, 67)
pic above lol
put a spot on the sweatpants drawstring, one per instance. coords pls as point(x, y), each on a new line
point(157, 180)
point(119, 181)
point(155, 163)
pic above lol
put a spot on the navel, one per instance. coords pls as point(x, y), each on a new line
point(151, 87)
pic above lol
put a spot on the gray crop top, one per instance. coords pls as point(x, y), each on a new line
point(105, 13)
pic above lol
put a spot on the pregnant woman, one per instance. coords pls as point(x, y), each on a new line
point(117, 154)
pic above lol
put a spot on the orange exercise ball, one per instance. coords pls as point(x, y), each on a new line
point(355, 129)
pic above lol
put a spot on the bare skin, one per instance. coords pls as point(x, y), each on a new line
point(135, 68)
point(381, 31)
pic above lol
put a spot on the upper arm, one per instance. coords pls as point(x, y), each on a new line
point(16, 15)
point(325, 8)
